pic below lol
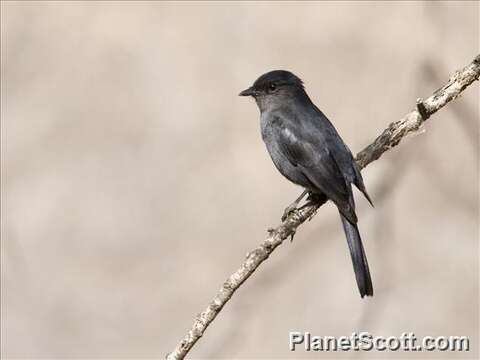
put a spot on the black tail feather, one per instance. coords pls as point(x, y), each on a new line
point(359, 259)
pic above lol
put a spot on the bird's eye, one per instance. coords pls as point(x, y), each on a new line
point(272, 87)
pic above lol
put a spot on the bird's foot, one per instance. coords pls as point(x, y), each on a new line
point(292, 208)
point(311, 216)
point(314, 199)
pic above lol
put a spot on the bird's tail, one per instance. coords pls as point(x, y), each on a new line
point(359, 259)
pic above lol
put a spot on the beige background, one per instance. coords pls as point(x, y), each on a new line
point(135, 179)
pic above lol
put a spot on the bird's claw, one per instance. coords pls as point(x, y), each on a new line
point(311, 216)
point(290, 209)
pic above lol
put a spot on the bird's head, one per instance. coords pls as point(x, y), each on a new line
point(272, 86)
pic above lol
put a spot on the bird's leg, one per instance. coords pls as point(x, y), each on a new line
point(293, 206)
point(314, 199)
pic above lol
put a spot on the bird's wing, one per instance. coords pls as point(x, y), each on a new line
point(346, 162)
point(341, 153)
point(307, 151)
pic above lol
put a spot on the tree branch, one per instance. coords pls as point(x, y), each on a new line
point(390, 137)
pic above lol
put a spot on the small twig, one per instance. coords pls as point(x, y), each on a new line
point(421, 109)
point(390, 138)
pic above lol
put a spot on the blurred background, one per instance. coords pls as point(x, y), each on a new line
point(135, 180)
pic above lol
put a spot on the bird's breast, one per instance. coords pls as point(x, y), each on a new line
point(267, 124)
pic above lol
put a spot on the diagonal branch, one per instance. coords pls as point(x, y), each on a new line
point(390, 137)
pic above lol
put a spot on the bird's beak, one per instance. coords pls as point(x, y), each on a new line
point(247, 92)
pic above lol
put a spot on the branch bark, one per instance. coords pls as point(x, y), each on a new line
point(389, 138)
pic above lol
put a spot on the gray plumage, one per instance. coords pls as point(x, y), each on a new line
point(306, 148)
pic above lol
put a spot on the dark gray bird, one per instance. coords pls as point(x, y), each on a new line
point(307, 150)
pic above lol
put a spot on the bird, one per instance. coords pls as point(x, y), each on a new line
point(306, 149)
